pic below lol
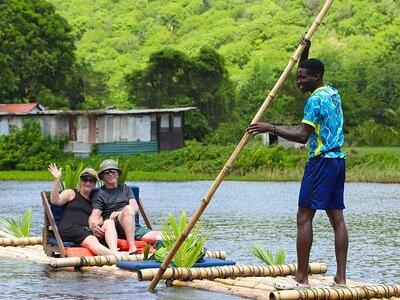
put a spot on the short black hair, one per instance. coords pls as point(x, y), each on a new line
point(313, 66)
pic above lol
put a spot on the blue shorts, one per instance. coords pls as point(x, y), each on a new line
point(322, 186)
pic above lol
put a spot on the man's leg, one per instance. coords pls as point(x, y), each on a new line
point(92, 243)
point(127, 220)
point(110, 234)
point(341, 243)
point(304, 242)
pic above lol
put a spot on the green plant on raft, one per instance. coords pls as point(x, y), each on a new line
point(18, 228)
point(125, 170)
point(192, 247)
point(70, 178)
point(266, 255)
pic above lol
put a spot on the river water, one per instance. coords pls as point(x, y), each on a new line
point(241, 214)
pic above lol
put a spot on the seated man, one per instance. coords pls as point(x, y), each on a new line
point(116, 202)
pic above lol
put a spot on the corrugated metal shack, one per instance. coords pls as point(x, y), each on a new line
point(111, 131)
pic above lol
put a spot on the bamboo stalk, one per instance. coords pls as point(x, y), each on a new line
point(246, 137)
point(333, 293)
point(216, 254)
point(247, 284)
point(228, 271)
point(216, 287)
point(23, 241)
point(100, 260)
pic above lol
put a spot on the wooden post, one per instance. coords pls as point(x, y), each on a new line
point(246, 137)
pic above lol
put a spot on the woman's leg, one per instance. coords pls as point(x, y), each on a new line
point(110, 234)
point(93, 244)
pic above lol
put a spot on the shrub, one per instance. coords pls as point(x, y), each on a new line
point(28, 149)
point(372, 134)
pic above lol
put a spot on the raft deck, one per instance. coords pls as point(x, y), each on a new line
point(260, 287)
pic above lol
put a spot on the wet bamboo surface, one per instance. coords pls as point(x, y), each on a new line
point(35, 254)
point(228, 271)
point(262, 288)
point(30, 253)
point(24, 241)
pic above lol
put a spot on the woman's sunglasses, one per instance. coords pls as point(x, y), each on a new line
point(88, 180)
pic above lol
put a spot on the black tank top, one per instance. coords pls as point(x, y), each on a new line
point(76, 212)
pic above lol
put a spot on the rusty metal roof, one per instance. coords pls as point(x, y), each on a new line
point(144, 111)
point(20, 108)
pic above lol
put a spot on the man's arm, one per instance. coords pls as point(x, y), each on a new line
point(300, 135)
point(95, 221)
point(304, 54)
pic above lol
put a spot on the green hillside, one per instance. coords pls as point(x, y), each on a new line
point(220, 56)
point(116, 37)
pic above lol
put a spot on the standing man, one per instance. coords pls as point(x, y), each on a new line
point(116, 202)
point(322, 186)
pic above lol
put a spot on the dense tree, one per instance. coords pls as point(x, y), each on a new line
point(175, 79)
point(36, 53)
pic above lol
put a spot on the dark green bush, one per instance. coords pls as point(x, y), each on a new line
point(28, 149)
point(372, 134)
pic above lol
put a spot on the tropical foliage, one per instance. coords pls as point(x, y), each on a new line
point(70, 177)
point(36, 54)
point(192, 247)
point(125, 167)
point(172, 78)
point(28, 149)
point(20, 227)
point(266, 255)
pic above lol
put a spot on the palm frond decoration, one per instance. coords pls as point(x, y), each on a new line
point(266, 255)
point(70, 177)
point(18, 228)
point(191, 249)
point(125, 168)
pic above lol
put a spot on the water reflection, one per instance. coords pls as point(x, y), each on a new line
point(241, 214)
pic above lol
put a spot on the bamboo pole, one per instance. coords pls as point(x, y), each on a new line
point(23, 241)
point(216, 254)
point(100, 260)
point(333, 293)
point(246, 137)
point(228, 271)
point(216, 287)
point(246, 284)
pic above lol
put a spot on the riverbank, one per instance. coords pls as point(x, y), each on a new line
point(257, 163)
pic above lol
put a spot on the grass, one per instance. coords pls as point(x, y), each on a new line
point(365, 164)
point(378, 175)
point(370, 150)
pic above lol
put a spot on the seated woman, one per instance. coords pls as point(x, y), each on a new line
point(76, 207)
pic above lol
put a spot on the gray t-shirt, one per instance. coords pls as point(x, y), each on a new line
point(109, 200)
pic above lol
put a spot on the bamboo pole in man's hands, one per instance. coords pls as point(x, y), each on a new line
point(246, 137)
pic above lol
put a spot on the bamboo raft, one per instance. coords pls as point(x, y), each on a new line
point(253, 282)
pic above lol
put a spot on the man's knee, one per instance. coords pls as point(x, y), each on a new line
point(129, 210)
point(108, 223)
point(304, 216)
point(337, 219)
